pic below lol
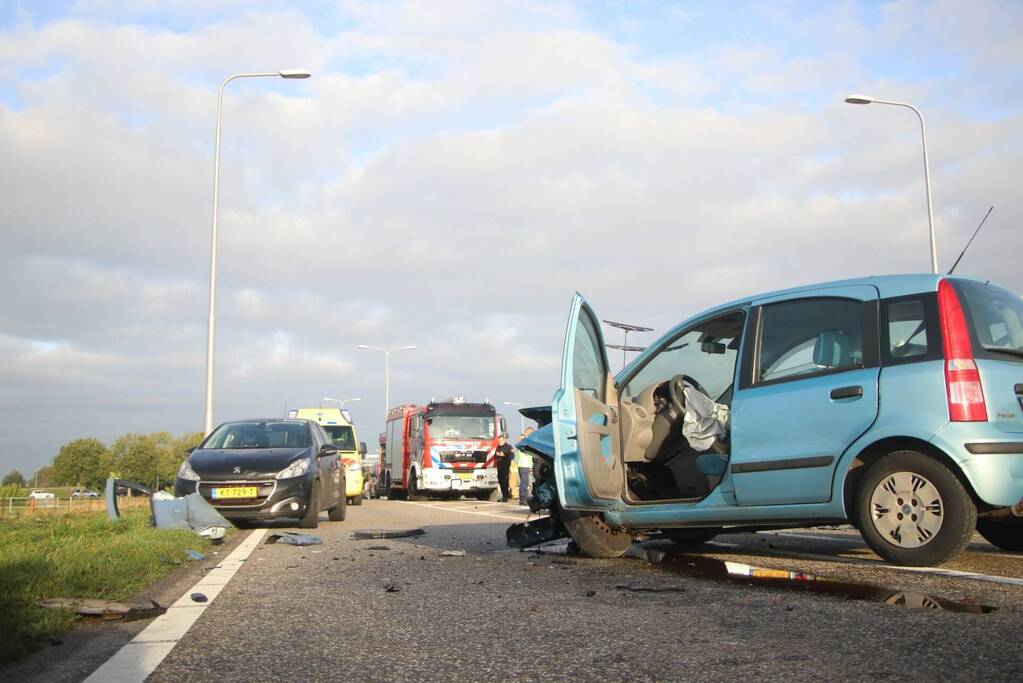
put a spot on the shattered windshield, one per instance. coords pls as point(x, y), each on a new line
point(461, 427)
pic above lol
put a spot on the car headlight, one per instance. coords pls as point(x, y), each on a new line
point(186, 472)
point(295, 469)
point(354, 467)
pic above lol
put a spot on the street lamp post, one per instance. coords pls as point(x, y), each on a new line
point(522, 419)
point(387, 370)
point(342, 401)
point(211, 325)
point(865, 99)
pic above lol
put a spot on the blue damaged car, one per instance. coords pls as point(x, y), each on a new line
point(894, 403)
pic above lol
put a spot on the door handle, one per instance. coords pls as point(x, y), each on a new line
point(846, 392)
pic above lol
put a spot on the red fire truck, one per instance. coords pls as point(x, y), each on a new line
point(442, 449)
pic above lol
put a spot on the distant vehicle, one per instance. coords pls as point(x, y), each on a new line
point(267, 469)
point(338, 425)
point(894, 403)
point(39, 494)
point(83, 493)
point(370, 463)
point(441, 449)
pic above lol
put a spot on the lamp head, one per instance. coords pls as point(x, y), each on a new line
point(859, 99)
point(294, 73)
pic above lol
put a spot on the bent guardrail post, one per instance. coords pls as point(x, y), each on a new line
point(111, 496)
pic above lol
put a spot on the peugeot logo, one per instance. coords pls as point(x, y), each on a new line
point(237, 470)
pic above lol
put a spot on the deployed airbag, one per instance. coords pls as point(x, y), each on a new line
point(704, 421)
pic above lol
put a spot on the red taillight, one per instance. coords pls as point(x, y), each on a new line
point(962, 379)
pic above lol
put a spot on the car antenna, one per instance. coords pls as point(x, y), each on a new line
point(971, 240)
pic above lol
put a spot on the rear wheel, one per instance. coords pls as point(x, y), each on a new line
point(912, 510)
point(594, 536)
point(339, 511)
point(311, 520)
point(1006, 533)
point(690, 538)
point(356, 500)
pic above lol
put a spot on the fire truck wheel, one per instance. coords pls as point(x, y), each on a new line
point(594, 536)
point(490, 495)
point(413, 487)
point(311, 520)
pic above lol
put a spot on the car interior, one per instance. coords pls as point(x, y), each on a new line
point(675, 414)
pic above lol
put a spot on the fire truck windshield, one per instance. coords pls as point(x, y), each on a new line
point(461, 427)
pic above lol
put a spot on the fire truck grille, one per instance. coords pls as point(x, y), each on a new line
point(458, 457)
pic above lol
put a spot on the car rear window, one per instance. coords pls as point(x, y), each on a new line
point(259, 435)
point(995, 317)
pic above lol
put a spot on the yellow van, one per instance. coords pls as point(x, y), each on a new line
point(342, 432)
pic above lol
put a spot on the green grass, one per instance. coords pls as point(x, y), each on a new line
point(76, 556)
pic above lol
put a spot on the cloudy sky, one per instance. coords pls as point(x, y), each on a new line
point(449, 176)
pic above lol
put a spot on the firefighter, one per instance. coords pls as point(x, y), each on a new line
point(505, 454)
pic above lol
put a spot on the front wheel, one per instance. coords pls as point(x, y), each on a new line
point(912, 510)
point(339, 511)
point(311, 520)
point(413, 487)
point(1006, 533)
point(594, 536)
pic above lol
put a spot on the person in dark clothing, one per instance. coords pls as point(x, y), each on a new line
point(505, 455)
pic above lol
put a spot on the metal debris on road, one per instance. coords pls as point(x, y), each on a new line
point(378, 547)
point(452, 553)
point(371, 534)
point(291, 538)
point(106, 609)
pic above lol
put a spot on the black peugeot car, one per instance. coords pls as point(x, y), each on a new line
point(267, 469)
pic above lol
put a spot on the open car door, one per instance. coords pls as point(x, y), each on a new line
point(587, 442)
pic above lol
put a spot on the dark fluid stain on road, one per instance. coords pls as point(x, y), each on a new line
point(702, 567)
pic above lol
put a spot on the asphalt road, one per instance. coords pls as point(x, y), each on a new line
point(398, 610)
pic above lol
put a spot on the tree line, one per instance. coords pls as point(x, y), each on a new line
point(149, 459)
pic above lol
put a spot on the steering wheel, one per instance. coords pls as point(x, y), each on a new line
point(678, 397)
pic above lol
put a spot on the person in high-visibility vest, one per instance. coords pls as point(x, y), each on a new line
point(524, 464)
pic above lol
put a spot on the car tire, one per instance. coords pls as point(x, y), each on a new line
point(311, 519)
point(412, 490)
point(489, 496)
point(339, 511)
point(907, 492)
point(690, 538)
point(1005, 533)
point(356, 500)
point(594, 536)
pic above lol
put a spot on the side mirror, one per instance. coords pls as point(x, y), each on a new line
point(327, 449)
point(362, 448)
point(190, 450)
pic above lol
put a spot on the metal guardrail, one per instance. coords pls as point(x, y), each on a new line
point(24, 505)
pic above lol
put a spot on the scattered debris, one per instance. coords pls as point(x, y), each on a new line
point(652, 589)
point(199, 597)
point(392, 588)
point(194, 556)
point(590, 594)
point(562, 560)
point(369, 534)
point(56, 641)
point(291, 538)
point(452, 553)
point(378, 547)
point(170, 560)
point(106, 609)
point(190, 512)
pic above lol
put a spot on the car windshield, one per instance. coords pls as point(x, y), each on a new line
point(996, 316)
point(343, 437)
point(270, 434)
point(461, 427)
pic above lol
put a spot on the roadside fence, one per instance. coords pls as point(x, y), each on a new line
point(21, 506)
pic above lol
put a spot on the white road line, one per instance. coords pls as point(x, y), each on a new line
point(139, 658)
point(464, 512)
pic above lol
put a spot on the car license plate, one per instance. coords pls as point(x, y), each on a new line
point(235, 492)
point(465, 476)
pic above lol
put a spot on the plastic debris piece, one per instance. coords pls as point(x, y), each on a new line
point(199, 597)
point(106, 609)
point(291, 538)
point(452, 553)
point(370, 534)
point(392, 588)
point(194, 556)
point(378, 547)
point(652, 589)
point(590, 594)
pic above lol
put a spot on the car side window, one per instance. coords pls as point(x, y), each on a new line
point(806, 337)
point(909, 329)
point(588, 358)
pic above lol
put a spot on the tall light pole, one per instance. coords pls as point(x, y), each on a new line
point(387, 370)
point(211, 325)
point(865, 99)
point(522, 418)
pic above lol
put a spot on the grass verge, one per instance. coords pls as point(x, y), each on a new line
point(76, 556)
